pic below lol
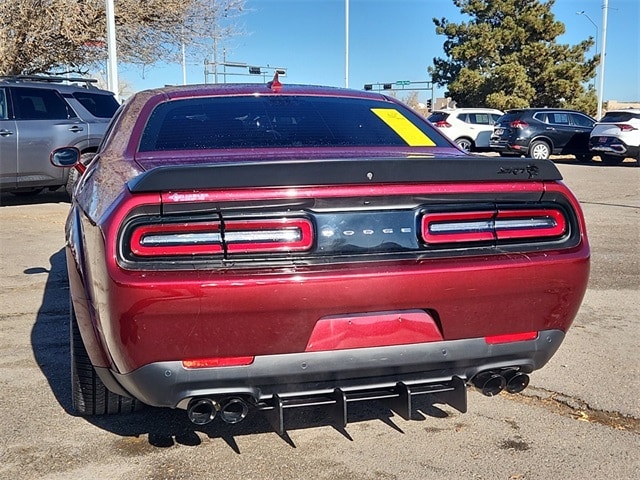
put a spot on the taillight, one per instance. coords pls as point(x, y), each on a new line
point(512, 224)
point(281, 235)
point(458, 227)
point(492, 225)
point(203, 238)
point(442, 124)
point(625, 127)
point(216, 238)
point(518, 124)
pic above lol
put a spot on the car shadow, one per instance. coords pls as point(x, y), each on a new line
point(9, 199)
point(166, 427)
point(570, 160)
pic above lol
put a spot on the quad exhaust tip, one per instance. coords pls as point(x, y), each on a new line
point(202, 411)
point(491, 383)
point(234, 410)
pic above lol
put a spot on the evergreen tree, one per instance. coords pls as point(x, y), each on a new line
point(507, 56)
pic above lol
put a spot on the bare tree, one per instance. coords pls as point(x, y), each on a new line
point(47, 36)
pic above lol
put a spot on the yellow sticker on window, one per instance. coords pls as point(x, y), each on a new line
point(403, 127)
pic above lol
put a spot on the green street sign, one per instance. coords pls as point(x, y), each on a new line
point(403, 82)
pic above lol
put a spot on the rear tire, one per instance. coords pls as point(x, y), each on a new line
point(89, 396)
point(611, 159)
point(539, 150)
point(465, 144)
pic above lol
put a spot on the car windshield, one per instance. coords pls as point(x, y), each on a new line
point(99, 105)
point(283, 121)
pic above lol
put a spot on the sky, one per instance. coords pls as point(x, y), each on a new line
point(389, 41)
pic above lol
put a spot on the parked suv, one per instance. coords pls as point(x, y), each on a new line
point(617, 136)
point(469, 128)
point(39, 114)
point(541, 132)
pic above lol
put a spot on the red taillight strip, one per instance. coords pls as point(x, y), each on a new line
point(511, 337)
point(211, 238)
point(513, 224)
point(458, 227)
point(482, 226)
point(214, 362)
point(177, 239)
point(281, 235)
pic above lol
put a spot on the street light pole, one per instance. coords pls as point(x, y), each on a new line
point(603, 55)
point(346, 43)
point(112, 62)
point(599, 98)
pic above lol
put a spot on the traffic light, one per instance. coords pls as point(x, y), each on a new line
point(368, 86)
point(255, 70)
point(429, 104)
point(387, 86)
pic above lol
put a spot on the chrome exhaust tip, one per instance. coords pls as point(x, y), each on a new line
point(234, 410)
point(516, 382)
point(202, 410)
point(489, 383)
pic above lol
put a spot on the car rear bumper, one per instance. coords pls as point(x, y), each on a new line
point(613, 146)
point(362, 372)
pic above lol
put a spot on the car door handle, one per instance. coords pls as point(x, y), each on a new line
point(5, 133)
point(549, 128)
point(75, 129)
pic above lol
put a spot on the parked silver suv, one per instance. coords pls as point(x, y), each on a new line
point(39, 114)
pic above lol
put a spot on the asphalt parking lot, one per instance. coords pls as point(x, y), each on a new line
point(580, 417)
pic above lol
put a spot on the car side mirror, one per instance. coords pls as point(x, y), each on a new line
point(67, 157)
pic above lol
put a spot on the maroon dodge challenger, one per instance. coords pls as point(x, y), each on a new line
point(243, 247)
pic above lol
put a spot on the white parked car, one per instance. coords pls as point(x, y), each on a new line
point(617, 136)
point(469, 128)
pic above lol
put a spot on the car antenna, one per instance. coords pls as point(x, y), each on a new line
point(275, 84)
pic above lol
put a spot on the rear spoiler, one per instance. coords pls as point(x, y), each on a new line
point(342, 172)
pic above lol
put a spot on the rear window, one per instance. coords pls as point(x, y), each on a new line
point(99, 105)
point(283, 121)
point(438, 117)
point(616, 117)
point(509, 117)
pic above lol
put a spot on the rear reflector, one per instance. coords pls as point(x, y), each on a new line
point(511, 337)
point(217, 362)
point(490, 225)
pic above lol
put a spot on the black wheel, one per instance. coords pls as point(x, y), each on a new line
point(89, 395)
point(465, 144)
point(611, 159)
point(72, 179)
point(539, 150)
point(71, 182)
